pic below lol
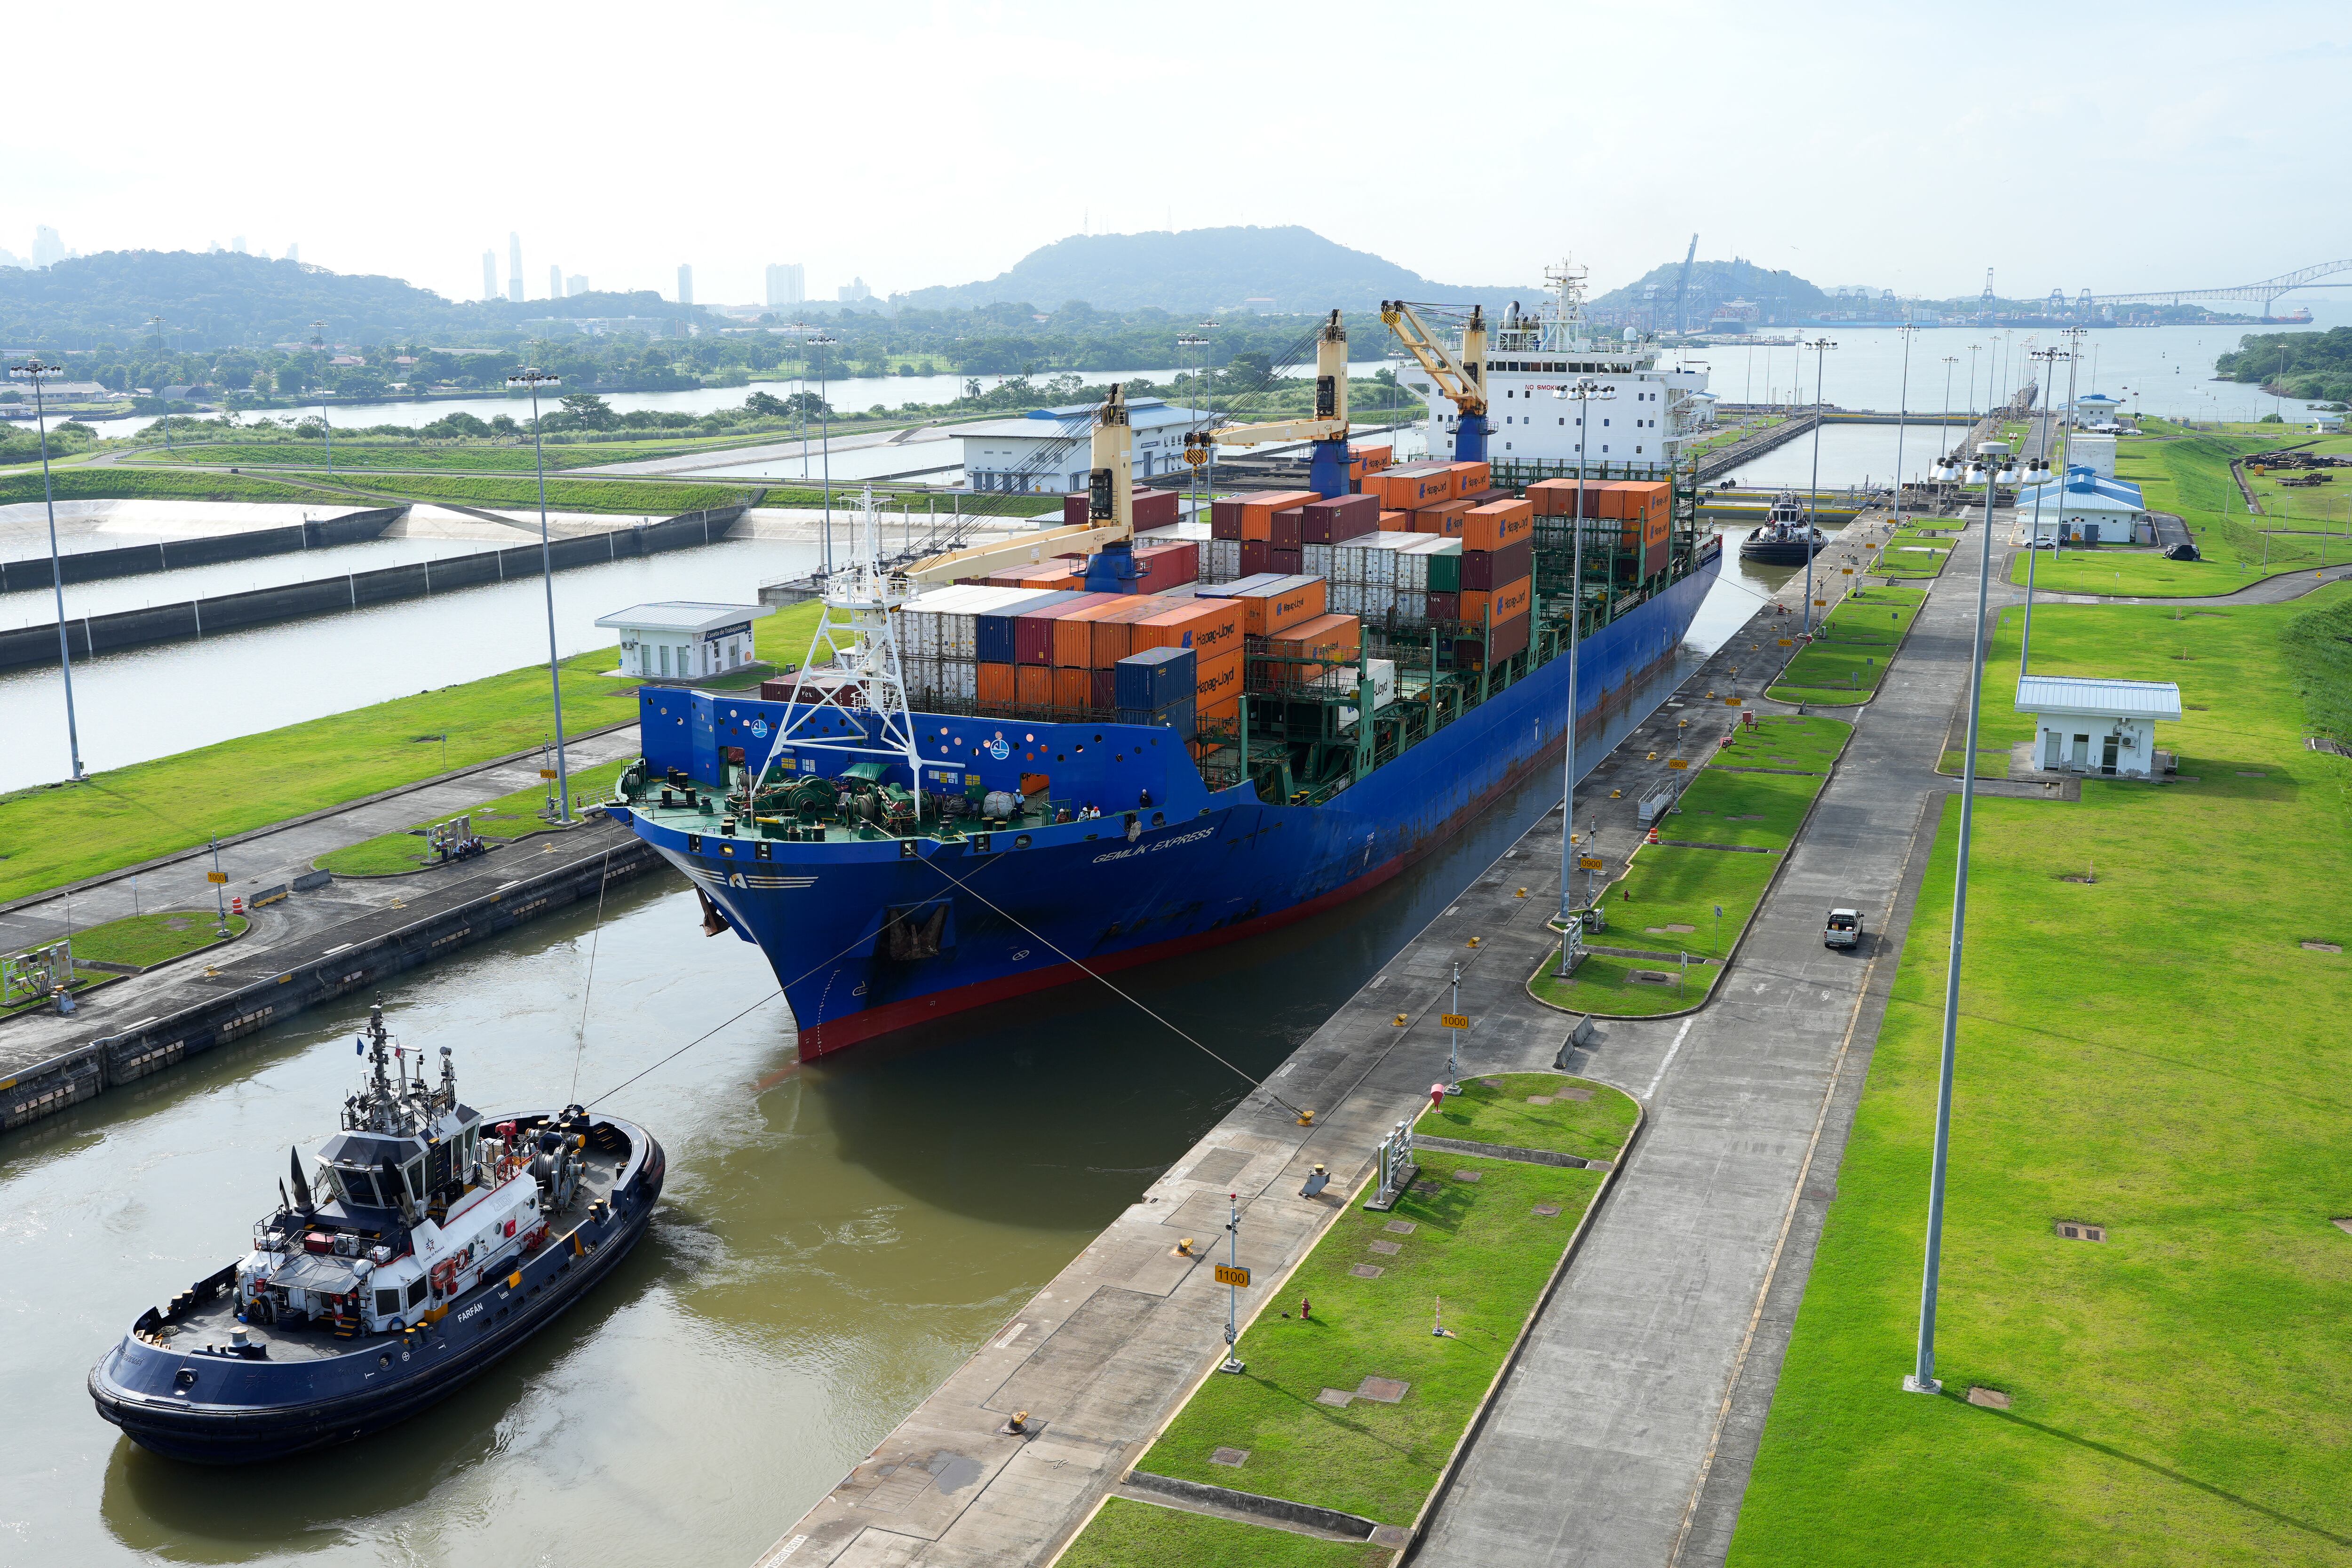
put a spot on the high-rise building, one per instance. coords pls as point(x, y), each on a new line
point(787, 284)
point(854, 292)
point(554, 281)
point(489, 275)
point(514, 266)
point(576, 284)
point(49, 245)
point(684, 284)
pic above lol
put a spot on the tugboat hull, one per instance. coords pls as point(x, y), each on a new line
point(210, 1403)
point(1778, 552)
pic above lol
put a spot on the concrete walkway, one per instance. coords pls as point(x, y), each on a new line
point(1625, 1434)
point(257, 860)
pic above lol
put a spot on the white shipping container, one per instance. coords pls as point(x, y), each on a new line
point(1315, 559)
point(959, 681)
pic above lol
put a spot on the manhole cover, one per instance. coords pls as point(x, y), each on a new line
point(1492, 1082)
point(1468, 1175)
point(1540, 1100)
point(1991, 1398)
point(1336, 1398)
point(1571, 1094)
point(2323, 947)
point(2077, 1230)
point(1546, 1211)
point(1233, 1456)
point(1395, 1537)
point(1388, 1249)
point(1387, 1390)
point(1650, 977)
point(1368, 1271)
point(1682, 928)
point(1402, 1226)
point(2250, 774)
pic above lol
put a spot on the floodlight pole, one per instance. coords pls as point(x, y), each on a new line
point(1584, 393)
point(1902, 415)
point(1922, 1378)
point(1454, 1038)
point(824, 440)
point(1821, 347)
point(530, 379)
point(36, 371)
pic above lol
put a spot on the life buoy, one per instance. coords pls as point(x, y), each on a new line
point(445, 1276)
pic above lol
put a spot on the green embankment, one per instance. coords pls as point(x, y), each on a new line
point(1849, 653)
point(646, 500)
point(1128, 1534)
point(1666, 901)
point(61, 833)
point(477, 457)
point(2157, 1052)
point(502, 820)
point(1472, 1255)
point(118, 483)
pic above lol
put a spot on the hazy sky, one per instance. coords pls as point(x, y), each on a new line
point(2119, 146)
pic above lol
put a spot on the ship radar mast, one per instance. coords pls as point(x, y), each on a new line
point(1565, 331)
point(866, 710)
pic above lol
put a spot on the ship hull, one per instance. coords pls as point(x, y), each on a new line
point(1209, 868)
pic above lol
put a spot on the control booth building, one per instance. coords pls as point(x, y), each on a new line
point(684, 639)
point(1047, 451)
point(2087, 725)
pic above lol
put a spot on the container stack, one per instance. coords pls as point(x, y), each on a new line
point(1157, 686)
point(1496, 572)
point(1152, 509)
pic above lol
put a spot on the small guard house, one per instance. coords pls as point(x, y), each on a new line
point(2084, 509)
point(684, 639)
point(2087, 725)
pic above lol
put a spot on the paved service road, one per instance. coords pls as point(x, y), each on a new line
point(1624, 1434)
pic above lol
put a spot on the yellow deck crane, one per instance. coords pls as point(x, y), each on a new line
point(1326, 469)
point(1462, 380)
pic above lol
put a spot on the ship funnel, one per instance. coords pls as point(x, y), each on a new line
point(301, 1187)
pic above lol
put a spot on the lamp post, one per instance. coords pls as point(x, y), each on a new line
point(37, 371)
point(1821, 347)
point(821, 341)
point(1992, 464)
point(1185, 341)
point(1584, 393)
point(1902, 413)
point(1944, 429)
point(1974, 349)
point(2033, 539)
point(530, 379)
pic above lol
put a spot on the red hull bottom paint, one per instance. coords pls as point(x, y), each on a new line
point(839, 1034)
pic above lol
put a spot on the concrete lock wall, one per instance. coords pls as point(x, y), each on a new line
point(113, 1060)
point(133, 560)
point(90, 634)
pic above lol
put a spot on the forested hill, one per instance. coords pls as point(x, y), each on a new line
point(2317, 366)
point(1205, 269)
point(223, 299)
point(1780, 296)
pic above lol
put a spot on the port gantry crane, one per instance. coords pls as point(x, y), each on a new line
point(1326, 432)
point(1462, 380)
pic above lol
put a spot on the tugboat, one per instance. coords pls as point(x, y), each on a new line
point(430, 1242)
point(1786, 539)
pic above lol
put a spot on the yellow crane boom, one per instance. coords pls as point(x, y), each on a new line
point(1111, 489)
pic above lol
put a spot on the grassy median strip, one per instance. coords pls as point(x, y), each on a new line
point(1914, 552)
point(502, 820)
point(55, 834)
point(1534, 1110)
point(1850, 653)
point(2156, 1053)
point(1470, 1249)
point(1753, 795)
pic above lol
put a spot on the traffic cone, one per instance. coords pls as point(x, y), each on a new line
point(237, 906)
point(1653, 836)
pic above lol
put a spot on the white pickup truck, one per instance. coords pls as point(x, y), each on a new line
point(1844, 929)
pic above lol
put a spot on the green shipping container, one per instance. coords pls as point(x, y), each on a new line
point(1445, 574)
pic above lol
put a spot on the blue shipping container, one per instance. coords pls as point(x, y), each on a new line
point(992, 633)
point(1154, 678)
point(1177, 716)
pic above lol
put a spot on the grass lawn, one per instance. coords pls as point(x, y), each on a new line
point(1800, 741)
point(1759, 810)
point(1498, 1112)
point(1477, 1248)
point(654, 500)
point(1914, 552)
point(116, 483)
point(149, 940)
point(507, 817)
point(2154, 1053)
point(1126, 1534)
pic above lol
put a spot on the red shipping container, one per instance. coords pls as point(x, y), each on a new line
point(1160, 567)
point(1075, 508)
point(1225, 519)
point(1153, 508)
point(1257, 556)
point(1287, 560)
point(1444, 606)
point(1287, 530)
point(1471, 652)
point(1102, 688)
point(1486, 570)
point(1339, 519)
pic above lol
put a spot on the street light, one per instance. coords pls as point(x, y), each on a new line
point(1193, 385)
point(530, 379)
point(1944, 429)
point(1993, 466)
point(327, 426)
point(821, 341)
point(1821, 347)
point(1902, 416)
point(1584, 393)
point(36, 372)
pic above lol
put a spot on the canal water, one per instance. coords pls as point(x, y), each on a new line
point(834, 1238)
point(1851, 454)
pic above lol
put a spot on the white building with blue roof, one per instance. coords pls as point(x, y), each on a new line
point(2086, 725)
point(2082, 509)
point(1047, 451)
point(2096, 409)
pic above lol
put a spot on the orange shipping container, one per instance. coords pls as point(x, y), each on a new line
point(1072, 689)
point(1511, 599)
point(1333, 639)
point(1498, 523)
point(997, 686)
point(1445, 519)
point(1113, 633)
point(1403, 490)
point(1215, 626)
point(1396, 522)
point(1227, 711)
point(1073, 642)
point(1257, 511)
point(1048, 576)
point(1033, 688)
point(1298, 599)
point(1219, 681)
point(1468, 478)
